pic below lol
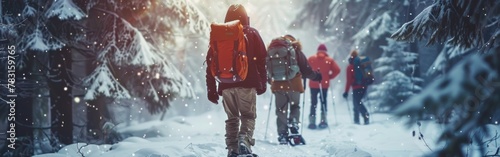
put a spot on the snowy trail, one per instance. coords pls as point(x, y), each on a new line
point(203, 135)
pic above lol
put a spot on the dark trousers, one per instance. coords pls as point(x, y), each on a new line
point(314, 100)
point(286, 100)
point(359, 108)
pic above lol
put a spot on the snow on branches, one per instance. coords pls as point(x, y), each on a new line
point(187, 14)
point(461, 22)
point(135, 58)
point(64, 10)
point(37, 41)
point(102, 82)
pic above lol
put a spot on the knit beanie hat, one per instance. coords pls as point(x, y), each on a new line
point(322, 47)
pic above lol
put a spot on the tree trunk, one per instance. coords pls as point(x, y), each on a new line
point(414, 48)
point(97, 115)
point(60, 95)
point(41, 106)
point(24, 109)
point(96, 110)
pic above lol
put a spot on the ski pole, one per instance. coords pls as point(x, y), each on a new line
point(323, 105)
point(268, 114)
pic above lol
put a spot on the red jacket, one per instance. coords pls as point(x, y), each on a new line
point(327, 67)
point(350, 79)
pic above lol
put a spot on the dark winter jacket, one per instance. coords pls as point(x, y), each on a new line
point(256, 52)
point(327, 67)
point(305, 72)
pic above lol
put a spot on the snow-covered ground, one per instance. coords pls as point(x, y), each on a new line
point(203, 136)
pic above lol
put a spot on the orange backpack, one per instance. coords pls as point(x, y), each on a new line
point(229, 62)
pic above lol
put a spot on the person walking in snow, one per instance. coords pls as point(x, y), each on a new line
point(239, 99)
point(359, 90)
point(329, 70)
point(287, 92)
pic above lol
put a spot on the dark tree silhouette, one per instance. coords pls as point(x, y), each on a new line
point(472, 86)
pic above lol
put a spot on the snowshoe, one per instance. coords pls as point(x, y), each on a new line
point(232, 154)
point(294, 140)
point(283, 139)
point(323, 125)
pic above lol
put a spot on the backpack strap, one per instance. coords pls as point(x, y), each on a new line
point(289, 63)
point(235, 55)
point(216, 59)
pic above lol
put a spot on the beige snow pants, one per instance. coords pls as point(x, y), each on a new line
point(240, 106)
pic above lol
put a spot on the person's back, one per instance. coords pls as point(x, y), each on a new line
point(326, 65)
point(287, 92)
point(329, 70)
point(240, 98)
point(359, 90)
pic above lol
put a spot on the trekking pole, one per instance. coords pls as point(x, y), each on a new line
point(349, 108)
point(334, 109)
point(323, 105)
point(268, 114)
point(303, 106)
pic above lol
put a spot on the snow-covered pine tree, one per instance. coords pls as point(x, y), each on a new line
point(59, 28)
point(395, 68)
point(131, 44)
point(352, 23)
point(472, 87)
point(26, 27)
point(449, 56)
point(132, 49)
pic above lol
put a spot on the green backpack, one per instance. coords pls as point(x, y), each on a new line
point(281, 60)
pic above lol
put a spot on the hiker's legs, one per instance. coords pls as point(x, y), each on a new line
point(281, 102)
point(314, 101)
point(294, 107)
point(324, 107)
point(233, 119)
point(323, 122)
point(359, 108)
point(246, 98)
point(362, 109)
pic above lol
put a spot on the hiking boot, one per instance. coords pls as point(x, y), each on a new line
point(232, 154)
point(244, 145)
point(312, 122)
point(323, 117)
point(283, 139)
point(366, 119)
point(323, 125)
point(311, 126)
point(294, 128)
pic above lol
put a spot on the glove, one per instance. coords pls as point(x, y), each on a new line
point(318, 77)
point(213, 97)
point(344, 95)
point(262, 90)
